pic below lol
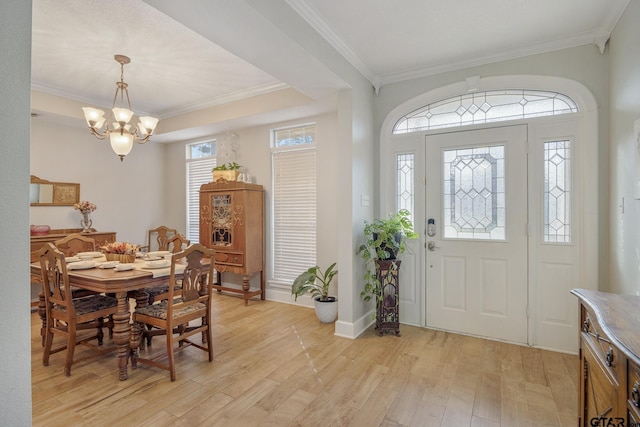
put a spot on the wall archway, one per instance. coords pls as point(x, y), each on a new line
point(586, 173)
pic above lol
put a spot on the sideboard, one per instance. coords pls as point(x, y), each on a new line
point(101, 238)
point(609, 386)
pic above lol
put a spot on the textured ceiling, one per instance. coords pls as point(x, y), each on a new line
point(172, 69)
point(175, 71)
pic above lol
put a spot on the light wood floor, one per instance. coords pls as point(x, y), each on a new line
point(276, 365)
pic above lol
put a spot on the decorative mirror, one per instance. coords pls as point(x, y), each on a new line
point(48, 193)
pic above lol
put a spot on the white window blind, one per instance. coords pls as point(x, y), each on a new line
point(198, 173)
point(294, 213)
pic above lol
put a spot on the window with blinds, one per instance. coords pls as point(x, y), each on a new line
point(200, 161)
point(294, 202)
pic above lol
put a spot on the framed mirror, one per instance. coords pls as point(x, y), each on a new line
point(49, 193)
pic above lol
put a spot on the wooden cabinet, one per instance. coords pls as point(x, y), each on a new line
point(37, 242)
point(232, 223)
point(609, 392)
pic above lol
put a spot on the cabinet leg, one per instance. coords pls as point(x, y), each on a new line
point(246, 288)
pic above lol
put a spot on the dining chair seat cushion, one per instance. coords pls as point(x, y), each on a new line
point(90, 304)
point(160, 310)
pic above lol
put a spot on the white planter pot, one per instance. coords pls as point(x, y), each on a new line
point(327, 311)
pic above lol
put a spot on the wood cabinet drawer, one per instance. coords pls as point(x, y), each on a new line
point(591, 333)
point(633, 386)
point(227, 258)
point(601, 394)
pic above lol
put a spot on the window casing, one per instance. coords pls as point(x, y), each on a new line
point(200, 160)
point(293, 156)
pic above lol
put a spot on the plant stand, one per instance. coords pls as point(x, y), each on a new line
point(388, 305)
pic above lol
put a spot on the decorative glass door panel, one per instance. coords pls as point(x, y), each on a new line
point(221, 220)
point(474, 196)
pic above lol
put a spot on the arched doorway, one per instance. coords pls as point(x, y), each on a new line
point(550, 268)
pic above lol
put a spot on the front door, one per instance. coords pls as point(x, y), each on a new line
point(476, 258)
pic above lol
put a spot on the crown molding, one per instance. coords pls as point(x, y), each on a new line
point(558, 44)
point(318, 23)
point(174, 111)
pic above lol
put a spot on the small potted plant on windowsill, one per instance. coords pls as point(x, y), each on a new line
point(317, 283)
point(384, 239)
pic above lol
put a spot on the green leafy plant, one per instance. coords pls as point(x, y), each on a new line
point(227, 167)
point(314, 281)
point(384, 239)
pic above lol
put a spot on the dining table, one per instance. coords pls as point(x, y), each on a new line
point(125, 285)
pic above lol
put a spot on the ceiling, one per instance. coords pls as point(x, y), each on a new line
point(230, 63)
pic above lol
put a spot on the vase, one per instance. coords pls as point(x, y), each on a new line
point(327, 311)
point(86, 222)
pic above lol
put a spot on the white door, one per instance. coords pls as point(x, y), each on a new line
point(476, 258)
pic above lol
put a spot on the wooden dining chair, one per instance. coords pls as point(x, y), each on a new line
point(65, 314)
point(69, 246)
point(158, 239)
point(74, 243)
point(175, 244)
point(172, 314)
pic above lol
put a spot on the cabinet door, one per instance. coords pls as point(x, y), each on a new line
point(225, 225)
point(600, 393)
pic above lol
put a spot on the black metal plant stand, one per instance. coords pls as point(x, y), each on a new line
point(388, 308)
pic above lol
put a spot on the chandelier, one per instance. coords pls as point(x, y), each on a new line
point(116, 126)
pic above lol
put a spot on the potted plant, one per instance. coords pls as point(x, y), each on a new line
point(228, 171)
point(384, 239)
point(317, 282)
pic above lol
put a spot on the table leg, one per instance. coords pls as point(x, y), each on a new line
point(137, 329)
point(122, 333)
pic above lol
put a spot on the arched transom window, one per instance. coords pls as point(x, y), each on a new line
point(484, 107)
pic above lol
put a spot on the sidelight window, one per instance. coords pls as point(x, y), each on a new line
point(557, 192)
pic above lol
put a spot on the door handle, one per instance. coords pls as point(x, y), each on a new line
point(431, 245)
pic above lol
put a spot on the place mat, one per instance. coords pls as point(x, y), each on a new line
point(159, 272)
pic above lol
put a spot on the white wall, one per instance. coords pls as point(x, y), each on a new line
point(15, 336)
point(625, 168)
point(129, 195)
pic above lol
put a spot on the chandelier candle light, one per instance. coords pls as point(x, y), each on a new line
point(85, 209)
point(117, 126)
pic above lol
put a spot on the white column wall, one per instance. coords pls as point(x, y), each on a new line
point(15, 335)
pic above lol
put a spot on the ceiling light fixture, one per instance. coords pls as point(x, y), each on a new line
point(117, 126)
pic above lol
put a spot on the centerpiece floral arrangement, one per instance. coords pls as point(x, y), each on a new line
point(85, 206)
point(124, 252)
point(120, 248)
